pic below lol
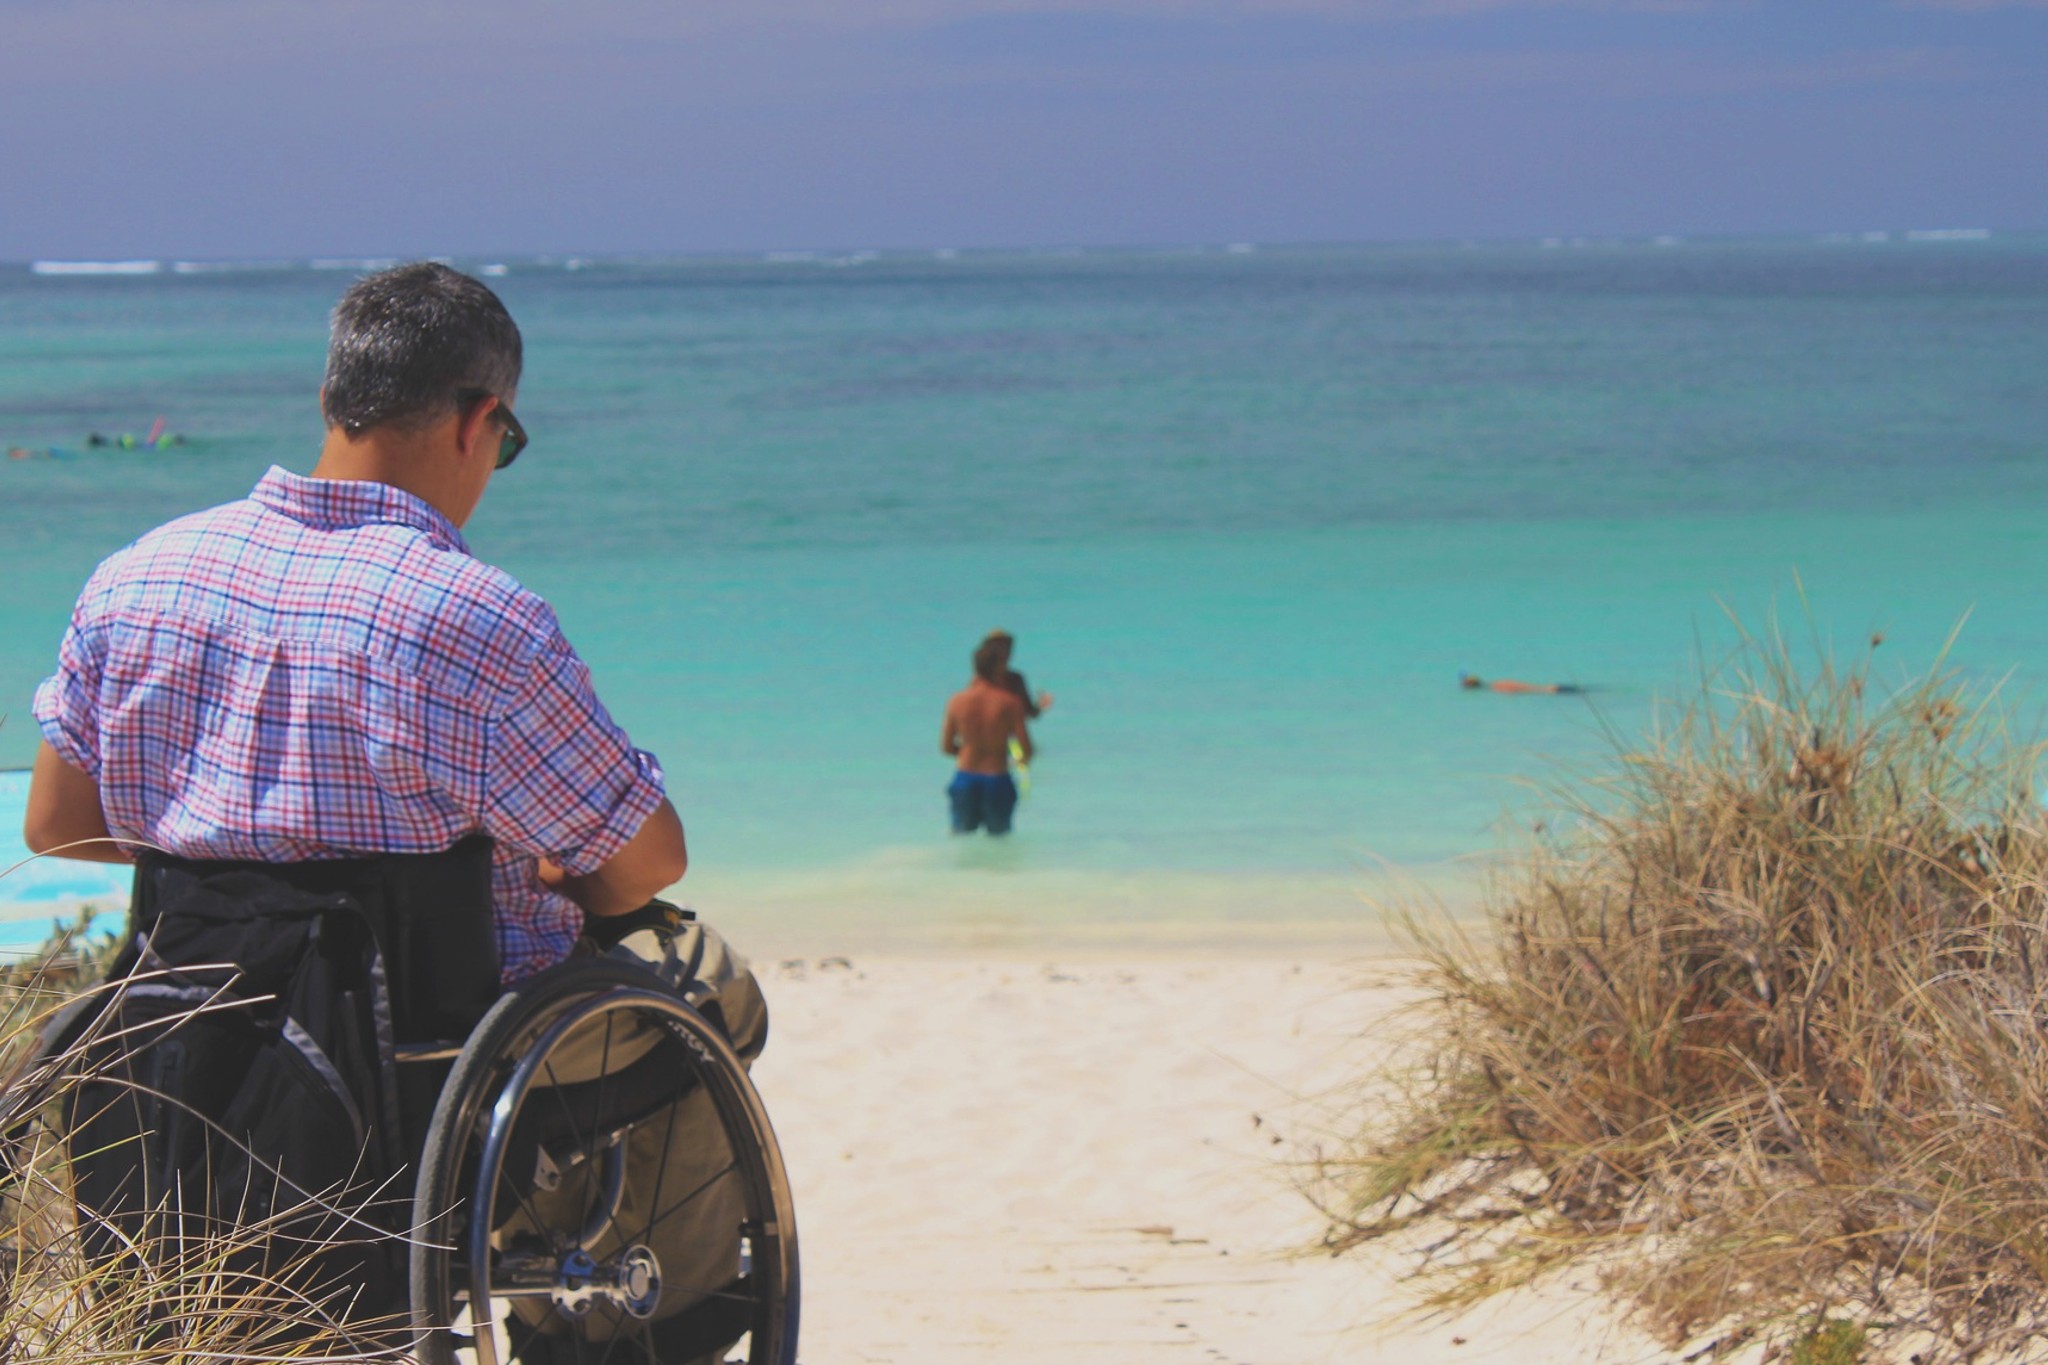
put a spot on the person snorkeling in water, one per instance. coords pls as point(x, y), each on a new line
point(157, 439)
point(1514, 685)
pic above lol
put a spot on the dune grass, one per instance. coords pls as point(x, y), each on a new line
point(190, 1300)
point(1761, 1028)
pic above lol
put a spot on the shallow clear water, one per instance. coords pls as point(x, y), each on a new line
point(1248, 515)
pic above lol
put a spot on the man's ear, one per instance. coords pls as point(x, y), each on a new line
point(475, 425)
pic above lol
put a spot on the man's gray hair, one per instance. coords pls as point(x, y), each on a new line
point(408, 344)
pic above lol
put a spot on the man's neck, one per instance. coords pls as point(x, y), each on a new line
point(388, 455)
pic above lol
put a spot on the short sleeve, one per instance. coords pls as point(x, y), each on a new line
point(562, 781)
point(67, 704)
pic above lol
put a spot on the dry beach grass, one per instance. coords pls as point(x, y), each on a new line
point(1762, 1029)
point(174, 1301)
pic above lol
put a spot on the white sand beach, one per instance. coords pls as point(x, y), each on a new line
point(1090, 1157)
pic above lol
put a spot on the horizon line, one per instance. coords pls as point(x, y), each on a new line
point(142, 263)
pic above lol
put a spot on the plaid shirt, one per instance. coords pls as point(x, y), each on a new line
point(322, 670)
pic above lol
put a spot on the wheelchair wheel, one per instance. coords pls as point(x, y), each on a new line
point(600, 1184)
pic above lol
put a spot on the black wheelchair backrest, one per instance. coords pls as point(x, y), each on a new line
point(430, 913)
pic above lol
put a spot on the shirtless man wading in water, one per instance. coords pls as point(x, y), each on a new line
point(980, 723)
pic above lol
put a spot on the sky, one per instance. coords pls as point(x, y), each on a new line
point(227, 129)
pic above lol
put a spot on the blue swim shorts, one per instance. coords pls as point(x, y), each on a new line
point(982, 800)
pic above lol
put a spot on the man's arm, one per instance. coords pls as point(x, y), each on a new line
point(949, 733)
point(654, 858)
point(64, 813)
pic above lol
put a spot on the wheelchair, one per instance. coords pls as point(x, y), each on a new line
point(593, 1177)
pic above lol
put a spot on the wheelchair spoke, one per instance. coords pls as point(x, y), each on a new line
point(724, 1294)
point(605, 1347)
point(660, 1173)
point(524, 1198)
point(646, 1344)
point(629, 1343)
point(604, 1074)
point(562, 1103)
point(707, 1183)
point(509, 1183)
point(610, 1186)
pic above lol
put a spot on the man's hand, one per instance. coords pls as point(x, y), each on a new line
point(605, 931)
point(64, 814)
point(653, 859)
point(1045, 701)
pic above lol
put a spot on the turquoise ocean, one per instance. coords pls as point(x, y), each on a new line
point(1248, 512)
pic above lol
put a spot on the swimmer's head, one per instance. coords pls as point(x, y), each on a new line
point(1467, 680)
point(989, 657)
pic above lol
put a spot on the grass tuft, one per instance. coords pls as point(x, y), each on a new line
point(1827, 1341)
point(1770, 1016)
point(179, 1302)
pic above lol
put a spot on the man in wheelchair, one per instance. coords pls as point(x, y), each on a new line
point(376, 807)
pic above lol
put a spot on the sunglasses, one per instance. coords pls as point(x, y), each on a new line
point(514, 439)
